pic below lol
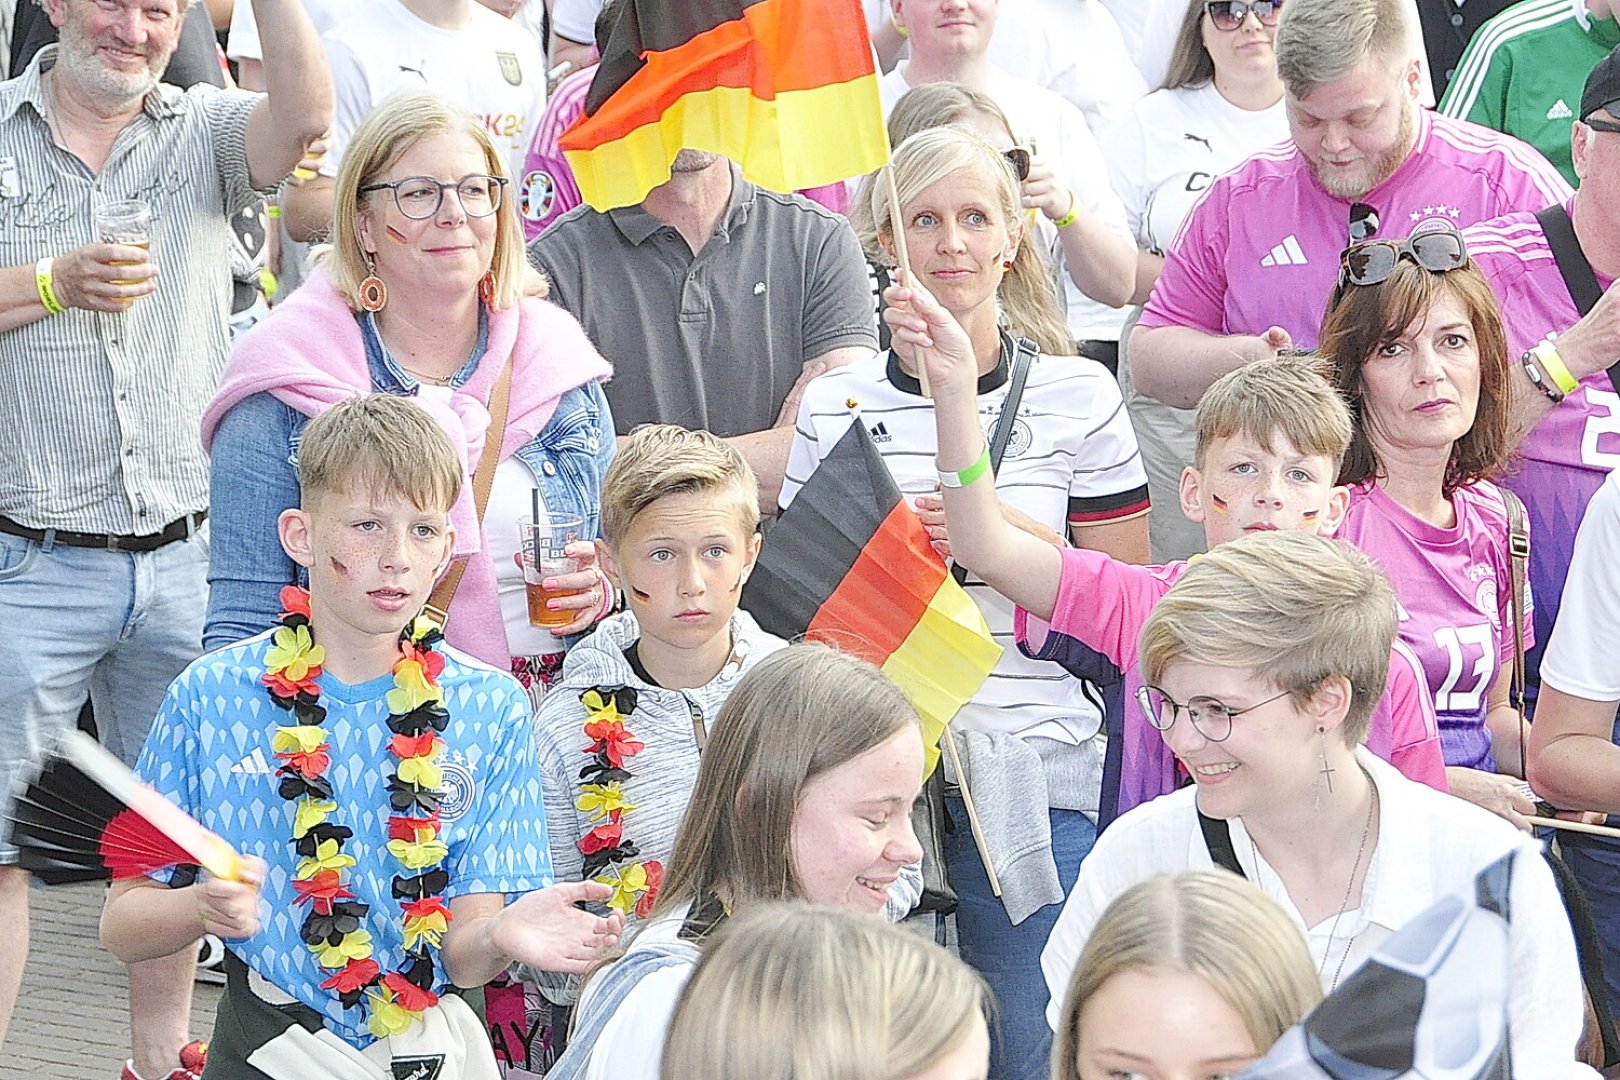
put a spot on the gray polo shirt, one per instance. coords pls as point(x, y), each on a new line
point(713, 340)
point(99, 412)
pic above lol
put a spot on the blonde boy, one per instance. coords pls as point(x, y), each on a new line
point(1270, 437)
point(380, 783)
point(680, 526)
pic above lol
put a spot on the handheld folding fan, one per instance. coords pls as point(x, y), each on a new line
point(84, 815)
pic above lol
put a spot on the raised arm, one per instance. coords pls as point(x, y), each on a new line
point(1019, 566)
point(297, 108)
point(1176, 364)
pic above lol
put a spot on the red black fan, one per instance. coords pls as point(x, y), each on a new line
point(85, 817)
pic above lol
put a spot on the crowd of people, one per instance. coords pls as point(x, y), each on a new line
point(1265, 413)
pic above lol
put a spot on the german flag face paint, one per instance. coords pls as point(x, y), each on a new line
point(1246, 487)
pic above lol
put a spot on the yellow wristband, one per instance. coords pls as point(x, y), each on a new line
point(42, 282)
point(272, 211)
point(1072, 216)
point(1553, 364)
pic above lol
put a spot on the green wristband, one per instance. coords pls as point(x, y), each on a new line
point(967, 475)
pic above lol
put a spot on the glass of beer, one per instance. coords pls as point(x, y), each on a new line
point(128, 223)
point(545, 555)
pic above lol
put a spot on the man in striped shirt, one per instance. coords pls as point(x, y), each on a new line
point(1250, 272)
point(1522, 73)
point(109, 353)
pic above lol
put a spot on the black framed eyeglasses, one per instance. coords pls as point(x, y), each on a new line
point(1597, 123)
point(1018, 160)
point(1370, 263)
point(1210, 717)
point(419, 197)
point(1229, 14)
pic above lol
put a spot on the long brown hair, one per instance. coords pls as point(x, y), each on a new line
point(798, 713)
point(1190, 62)
point(1361, 319)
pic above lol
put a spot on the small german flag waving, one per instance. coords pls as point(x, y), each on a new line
point(848, 564)
point(785, 88)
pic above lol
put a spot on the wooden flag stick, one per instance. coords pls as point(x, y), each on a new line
point(1574, 826)
point(898, 231)
point(972, 815)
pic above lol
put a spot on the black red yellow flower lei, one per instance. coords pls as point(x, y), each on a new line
point(609, 857)
point(334, 930)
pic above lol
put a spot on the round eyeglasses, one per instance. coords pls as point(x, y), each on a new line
point(1210, 718)
point(419, 197)
point(1229, 14)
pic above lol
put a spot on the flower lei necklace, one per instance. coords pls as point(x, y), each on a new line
point(635, 883)
point(334, 928)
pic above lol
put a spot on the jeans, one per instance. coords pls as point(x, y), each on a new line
point(1595, 862)
point(1008, 956)
point(116, 626)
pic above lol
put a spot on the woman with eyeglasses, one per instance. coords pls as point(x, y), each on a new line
point(1263, 662)
point(1417, 348)
point(420, 297)
point(1221, 102)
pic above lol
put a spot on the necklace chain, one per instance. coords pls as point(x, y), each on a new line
point(1349, 888)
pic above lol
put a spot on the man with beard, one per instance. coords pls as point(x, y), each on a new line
point(110, 353)
point(716, 301)
point(1250, 272)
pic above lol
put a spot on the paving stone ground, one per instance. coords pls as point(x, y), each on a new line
point(72, 1019)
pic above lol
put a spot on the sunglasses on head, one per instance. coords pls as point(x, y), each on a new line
point(1229, 14)
point(1018, 159)
point(1437, 251)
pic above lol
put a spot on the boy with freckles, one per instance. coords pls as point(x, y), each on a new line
point(381, 786)
point(1270, 436)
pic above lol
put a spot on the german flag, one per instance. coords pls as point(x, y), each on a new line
point(785, 88)
point(848, 564)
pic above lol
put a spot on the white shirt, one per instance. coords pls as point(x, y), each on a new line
point(1580, 657)
point(1073, 48)
point(631, 1046)
point(242, 42)
point(574, 19)
point(1429, 844)
point(1059, 133)
point(1165, 151)
point(488, 67)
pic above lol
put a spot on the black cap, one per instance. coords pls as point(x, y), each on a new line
point(1602, 86)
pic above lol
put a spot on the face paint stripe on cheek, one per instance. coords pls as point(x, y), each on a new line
point(1310, 515)
point(395, 235)
point(1217, 503)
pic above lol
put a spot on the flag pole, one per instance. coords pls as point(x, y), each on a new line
point(897, 230)
point(1574, 826)
point(972, 815)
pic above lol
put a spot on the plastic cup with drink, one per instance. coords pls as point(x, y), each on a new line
point(127, 223)
point(544, 548)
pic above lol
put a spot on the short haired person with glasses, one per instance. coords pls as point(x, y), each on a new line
point(1263, 663)
point(419, 297)
point(1417, 349)
point(1571, 410)
point(1253, 265)
point(1221, 101)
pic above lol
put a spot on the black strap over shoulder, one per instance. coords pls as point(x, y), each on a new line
point(1218, 839)
point(1579, 277)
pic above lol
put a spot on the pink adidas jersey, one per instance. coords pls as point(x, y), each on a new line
point(1096, 623)
point(1261, 248)
point(1454, 592)
point(547, 190)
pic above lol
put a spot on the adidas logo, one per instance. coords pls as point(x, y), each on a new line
point(1287, 253)
point(255, 764)
point(880, 434)
point(1560, 111)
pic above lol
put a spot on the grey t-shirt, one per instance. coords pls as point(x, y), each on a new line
point(713, 340)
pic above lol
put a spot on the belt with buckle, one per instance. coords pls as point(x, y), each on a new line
point(178, 529)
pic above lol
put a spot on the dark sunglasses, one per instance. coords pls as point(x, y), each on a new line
point(1018, 159)
point(1597, 123)
point(1229, 14)
point(1363, 222)
point(1437, 251)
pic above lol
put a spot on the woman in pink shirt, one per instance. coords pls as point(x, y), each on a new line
point(1418, 350)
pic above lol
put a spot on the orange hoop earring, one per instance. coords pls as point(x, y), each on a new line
point(373, 293)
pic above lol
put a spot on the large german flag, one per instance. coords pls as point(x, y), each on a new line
point(848, 564)
point(785, 88)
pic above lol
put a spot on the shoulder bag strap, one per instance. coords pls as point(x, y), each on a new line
point(1023, 359)
point(1218, 839)
point(1579, 278)
point(438, 605)
point(1518, 559)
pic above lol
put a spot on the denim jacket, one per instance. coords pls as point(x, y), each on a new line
point(254, 477)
